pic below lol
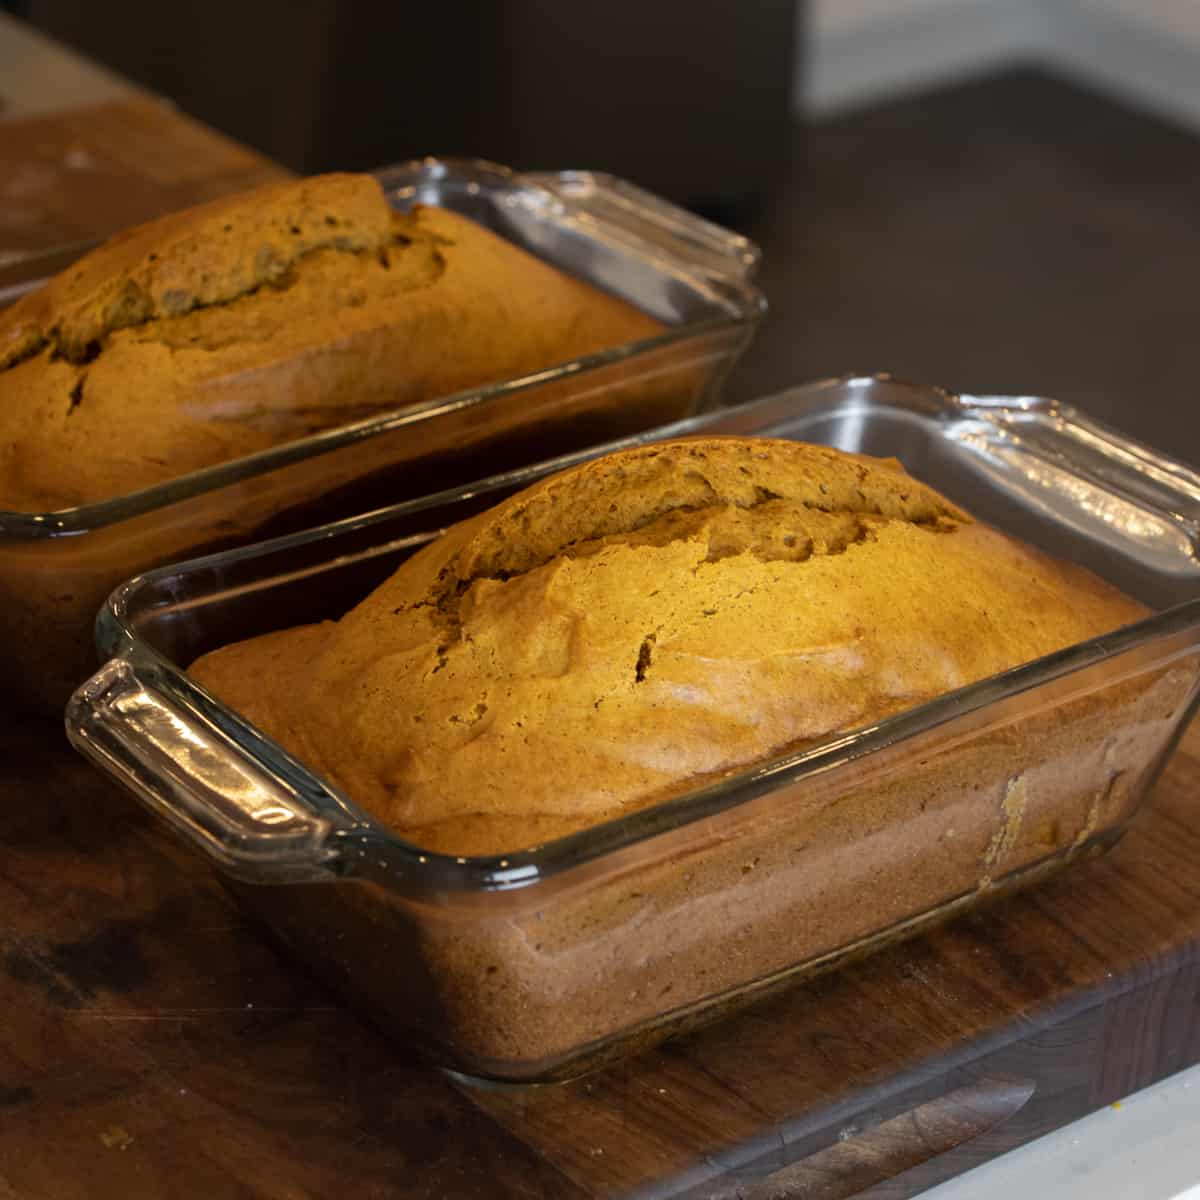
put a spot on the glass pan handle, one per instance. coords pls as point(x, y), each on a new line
point(1089, 475)
point(190, 773)
point(620, 209)
point(1128, 467)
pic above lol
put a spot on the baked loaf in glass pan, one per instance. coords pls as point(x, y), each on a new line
point(686, 289)
point(538, 963)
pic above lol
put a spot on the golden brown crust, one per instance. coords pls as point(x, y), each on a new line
point(263, 317)
point(616, 633)
point(210, 254)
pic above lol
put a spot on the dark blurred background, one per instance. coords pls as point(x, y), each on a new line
point(994, 195)
point(690, 99)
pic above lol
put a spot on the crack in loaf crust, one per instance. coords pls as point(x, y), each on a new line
point(623, 631)
point(259, 318)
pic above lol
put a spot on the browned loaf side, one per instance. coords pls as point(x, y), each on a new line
point(260, 318)
point(624, 630)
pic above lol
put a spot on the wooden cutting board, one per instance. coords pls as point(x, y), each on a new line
point(151, 1045)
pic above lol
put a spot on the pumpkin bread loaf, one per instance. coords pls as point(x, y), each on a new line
point(262, 317)
point(625, 630)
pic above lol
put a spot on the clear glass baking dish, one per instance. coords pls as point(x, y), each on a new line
point(539, 963)
point(56, 568)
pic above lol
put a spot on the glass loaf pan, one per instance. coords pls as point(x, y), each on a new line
point(537, 964)
point(57, 568)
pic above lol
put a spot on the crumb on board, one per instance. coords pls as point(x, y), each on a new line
point(116, 1137)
